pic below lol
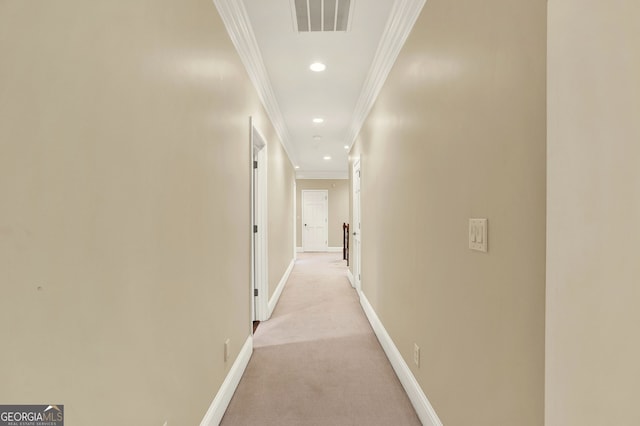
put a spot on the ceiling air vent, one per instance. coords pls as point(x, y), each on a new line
point(322, 15)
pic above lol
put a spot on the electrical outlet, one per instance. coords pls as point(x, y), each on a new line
point(226, 350)
point(416, 355)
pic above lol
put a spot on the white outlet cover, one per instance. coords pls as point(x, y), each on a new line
point(478, 234)
point(226, 350)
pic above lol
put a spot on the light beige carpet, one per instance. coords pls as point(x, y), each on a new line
point(317, 360)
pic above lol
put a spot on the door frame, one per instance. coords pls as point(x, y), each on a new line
point(259, 253)
point(295, 222)
point(356, 230)
point(326, 215)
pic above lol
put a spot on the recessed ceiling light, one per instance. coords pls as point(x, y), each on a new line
point(327, 157)
point(318, 120)
point(346, 147)
point(317, 67)
point(297, 167)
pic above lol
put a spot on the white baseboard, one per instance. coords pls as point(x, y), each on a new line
point(328, 250)
point(350, 276)
point(421, 404)
point(223, 397)
point(276, 294)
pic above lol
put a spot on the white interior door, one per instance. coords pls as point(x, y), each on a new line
point(356, 228)
point(259, 255)
point(315, 229)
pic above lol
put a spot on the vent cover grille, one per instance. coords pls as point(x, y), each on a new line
point(322, 15)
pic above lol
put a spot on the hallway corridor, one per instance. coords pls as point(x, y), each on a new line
point(317, 360)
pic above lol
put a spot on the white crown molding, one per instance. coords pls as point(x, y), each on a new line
point(401, 20)
point(322, 175)
point(236, 20)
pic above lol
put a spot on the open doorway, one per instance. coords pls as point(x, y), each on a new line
point(259, 272)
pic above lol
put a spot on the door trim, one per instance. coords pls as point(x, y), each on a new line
point(259, 253)
point(295, 221)
point(357, 225)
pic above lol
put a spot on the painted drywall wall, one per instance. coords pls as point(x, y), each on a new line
point(593, 272)
point(280, 181)
point(125, 226)
point(458, 131)
point(338, 190)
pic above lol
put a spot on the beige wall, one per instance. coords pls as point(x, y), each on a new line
point(593, 267)
point(124, 227)
point(281, 184)
point(338, 206)
point(458, 132)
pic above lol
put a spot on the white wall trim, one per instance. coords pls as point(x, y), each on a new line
point(421, 404)
point(236, 20)
point(350, 277)
point(355, 229)
point(276, 294)
point(403, 16)
point(295, 220)
point(223, 397)
point(259, 208)
point(329, 250)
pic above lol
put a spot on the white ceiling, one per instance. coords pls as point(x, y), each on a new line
point(358, 60)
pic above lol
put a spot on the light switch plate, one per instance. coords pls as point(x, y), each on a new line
point(478, 234)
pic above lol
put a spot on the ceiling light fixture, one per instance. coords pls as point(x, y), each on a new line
point(327, 157)
point(297, 167)
point(317, 67)
point(318, 120)
point(346, 147)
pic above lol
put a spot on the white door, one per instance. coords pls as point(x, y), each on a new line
point(315, 220)
point(356, 229)
point(259, 277)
